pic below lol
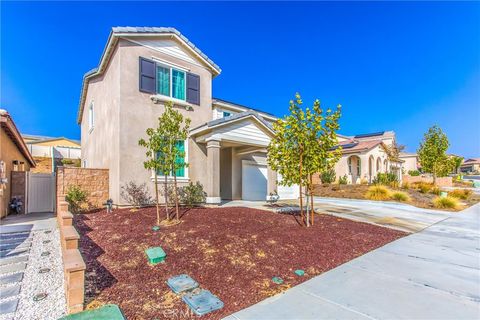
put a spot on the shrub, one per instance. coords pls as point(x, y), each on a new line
point(343, 180)
point(328, 176)
point(363, 181)
point(445, 203)
point(385, 178)
point(436, 191)
point(76, 198)
point(414, 173)
point(170, 193)
point(423, 187)
point(405, 185)
point(463, 194)
point(378, 193)
point(400, 196)
point(136, 195)
point(192, 194)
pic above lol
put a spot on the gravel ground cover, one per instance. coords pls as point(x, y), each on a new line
point(233, 252)
point(52, 282)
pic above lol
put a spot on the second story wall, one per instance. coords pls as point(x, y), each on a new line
point(138, 112)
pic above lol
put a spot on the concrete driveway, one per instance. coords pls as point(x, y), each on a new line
point(432, 274)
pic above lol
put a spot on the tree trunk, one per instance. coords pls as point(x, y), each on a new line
point(175, 193)
point(311, 199)
point(165, 184)
point(156, 199)
point(300, 185)
point(434, 174)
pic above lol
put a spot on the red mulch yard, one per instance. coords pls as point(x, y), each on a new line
point(233, 252)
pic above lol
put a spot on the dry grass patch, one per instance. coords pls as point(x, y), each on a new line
point(463, 194)
point(445, 203)
point(378, 193)
point(401, 196)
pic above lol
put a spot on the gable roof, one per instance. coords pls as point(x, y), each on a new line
point(471, 161)
point(232, 118)
point(354, 146)
point(40, 139)
point(229, 104)
point(117, 33)
point(6, 122)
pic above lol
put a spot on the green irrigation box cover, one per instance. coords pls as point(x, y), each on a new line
point(107, 312)
point(155, 255)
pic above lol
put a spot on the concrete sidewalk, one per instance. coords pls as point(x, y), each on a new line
point(433, 274)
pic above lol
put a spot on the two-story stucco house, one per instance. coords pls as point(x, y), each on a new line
point(141, 69)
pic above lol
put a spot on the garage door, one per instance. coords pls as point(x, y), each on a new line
point(254, 181)
point(286, 192)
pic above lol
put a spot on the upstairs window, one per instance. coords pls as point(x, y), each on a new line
point(91, 118)
point(171, 82)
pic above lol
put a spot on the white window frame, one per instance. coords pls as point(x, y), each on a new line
point(171, 68)
point(185, 178)
point(91, 117)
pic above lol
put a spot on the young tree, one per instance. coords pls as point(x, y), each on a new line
point(303, 145)
point(322, 150)
point(153, 145)
point(432, 153)
point(457, 163)
point(173, 128)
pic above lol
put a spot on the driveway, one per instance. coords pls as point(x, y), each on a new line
point(432, 274)
point(395, 215)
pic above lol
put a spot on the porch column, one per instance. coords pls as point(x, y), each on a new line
point(271, 181)
point(364, 174)
point(213, 172)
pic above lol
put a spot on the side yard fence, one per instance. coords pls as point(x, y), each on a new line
point(441, 182)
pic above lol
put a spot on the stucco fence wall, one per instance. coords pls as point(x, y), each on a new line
point(93, 181)
point(441, 182)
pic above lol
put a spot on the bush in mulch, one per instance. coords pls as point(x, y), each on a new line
point(233, 252)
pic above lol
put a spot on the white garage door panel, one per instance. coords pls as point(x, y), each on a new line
point(254, 181)
point(285, 192)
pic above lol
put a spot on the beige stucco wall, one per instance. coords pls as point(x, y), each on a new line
point(341, 167)
point(101, 146)
point(57, 143)
point(123, 113)
point(409, 164)
point(8, 153)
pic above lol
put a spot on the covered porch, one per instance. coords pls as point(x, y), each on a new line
point(236, 163)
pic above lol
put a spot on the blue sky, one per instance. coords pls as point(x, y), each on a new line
point(392, 66)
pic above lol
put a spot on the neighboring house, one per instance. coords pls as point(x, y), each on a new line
point(364, 156)
point(471, 166)
point(14, 156)
point(50, 152)
point(50, 141)
point(139, 71)
point(411, 162)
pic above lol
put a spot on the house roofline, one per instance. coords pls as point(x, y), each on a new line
point(118, 32)
point(6, 121)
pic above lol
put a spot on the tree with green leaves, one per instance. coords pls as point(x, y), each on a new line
point(174, 128)
point(154, 144)
point(432, 153)
point(303, 145)
point(456, 163)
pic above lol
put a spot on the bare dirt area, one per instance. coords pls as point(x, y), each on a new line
point(233, 252)
point(358, 191)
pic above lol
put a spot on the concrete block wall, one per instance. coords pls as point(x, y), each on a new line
point(93, 181)
point(441, 182)
point(73, 263)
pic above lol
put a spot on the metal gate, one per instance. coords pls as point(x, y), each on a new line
point(40, 192)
